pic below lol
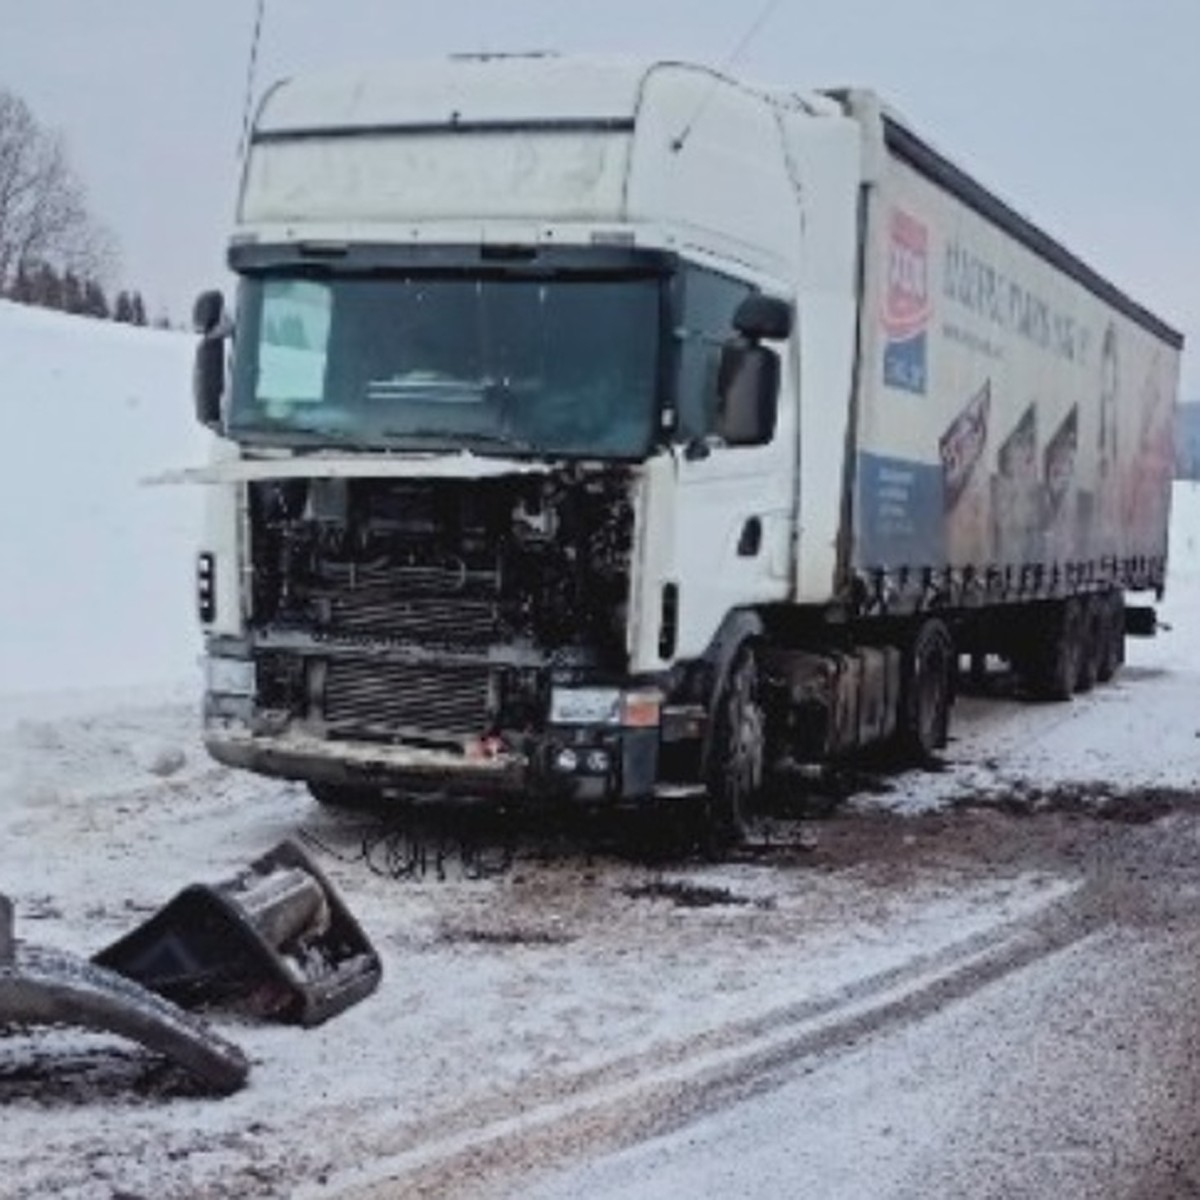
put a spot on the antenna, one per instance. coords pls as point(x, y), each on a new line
point(735, 54)
point(250, 66)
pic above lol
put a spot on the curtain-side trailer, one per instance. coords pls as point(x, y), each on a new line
point(611, 433)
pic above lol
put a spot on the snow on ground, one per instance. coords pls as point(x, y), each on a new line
point(1074, 1077)
point(566, 965)
point(568, 971)
point(98, 569)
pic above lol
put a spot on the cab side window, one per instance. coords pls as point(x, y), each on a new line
point(705, 304)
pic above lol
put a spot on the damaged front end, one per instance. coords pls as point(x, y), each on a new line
point(460, 636)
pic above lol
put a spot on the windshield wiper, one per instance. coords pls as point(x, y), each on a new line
point(368, 439)
point(309, 433)
point(457, 439)
point(503, 439)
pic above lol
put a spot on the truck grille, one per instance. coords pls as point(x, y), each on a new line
point(439, 702)
point(425, 619)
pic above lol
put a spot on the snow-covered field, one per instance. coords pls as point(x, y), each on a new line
point(529, 1017)
point(97, 569)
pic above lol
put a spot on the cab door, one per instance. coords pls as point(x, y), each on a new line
point(732, 537)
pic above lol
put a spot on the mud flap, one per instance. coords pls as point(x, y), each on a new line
point(40, 986)
point(275, 941)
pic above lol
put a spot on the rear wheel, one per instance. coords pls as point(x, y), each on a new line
point(1055, 665)
point(738, 755)
point(1094, 638)
point(928, 692)
point(1113, 651)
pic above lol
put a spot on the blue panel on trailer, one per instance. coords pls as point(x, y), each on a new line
point(901, 507)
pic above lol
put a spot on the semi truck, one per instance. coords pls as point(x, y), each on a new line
point(601, 433)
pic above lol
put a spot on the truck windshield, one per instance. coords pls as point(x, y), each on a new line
point(500, 365)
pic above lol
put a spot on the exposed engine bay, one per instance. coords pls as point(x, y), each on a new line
point(436, 610)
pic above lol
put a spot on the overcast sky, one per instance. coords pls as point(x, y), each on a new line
point(1081, 112)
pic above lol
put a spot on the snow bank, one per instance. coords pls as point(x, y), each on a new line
point(96, 568)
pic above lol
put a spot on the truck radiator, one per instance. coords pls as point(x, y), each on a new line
point(426, 620)
point(437, 702)
point(448, 605)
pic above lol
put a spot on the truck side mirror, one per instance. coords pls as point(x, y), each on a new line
point(748, 375)
point(208, 311)
point(208, 379)
point(761, 316)
point(747, 393)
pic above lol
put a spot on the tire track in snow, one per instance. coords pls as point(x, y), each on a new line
point(632, 1098)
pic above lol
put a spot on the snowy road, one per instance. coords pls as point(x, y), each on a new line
point(568, 988)
point(969, 985)
point(1070, 1071)
point(975, 982)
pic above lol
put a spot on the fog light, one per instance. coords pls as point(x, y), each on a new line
point(566, 760)
point(597, 761)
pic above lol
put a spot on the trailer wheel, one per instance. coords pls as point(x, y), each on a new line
point(1113, 653)
point(1094, 638)
point(334, 795)
point(738, 754)
point(1056, 664)
point(928, 692)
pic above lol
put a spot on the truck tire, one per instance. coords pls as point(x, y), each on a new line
point(738, 755)
point(1113, 654)
point(1093, 639)
point(335, 795)
point(1054, 672)
point(927, 692)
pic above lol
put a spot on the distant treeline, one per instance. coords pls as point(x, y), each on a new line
point(45, 287)
point(1187, 441)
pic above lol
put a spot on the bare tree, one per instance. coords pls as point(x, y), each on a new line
point(43, 206)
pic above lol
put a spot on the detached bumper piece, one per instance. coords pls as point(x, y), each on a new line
point(275, 941)
point(40, 986)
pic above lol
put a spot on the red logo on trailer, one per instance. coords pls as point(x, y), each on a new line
point(906, 310)
point(906, 307)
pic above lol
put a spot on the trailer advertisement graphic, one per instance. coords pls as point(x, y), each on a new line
point(962, 445)
point(906, 306)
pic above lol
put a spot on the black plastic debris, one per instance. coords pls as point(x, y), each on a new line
point(274, 941)
point(40, 986)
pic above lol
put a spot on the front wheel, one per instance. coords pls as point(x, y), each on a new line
point(738, 754)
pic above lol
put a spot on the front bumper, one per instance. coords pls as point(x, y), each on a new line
point(294, 753)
